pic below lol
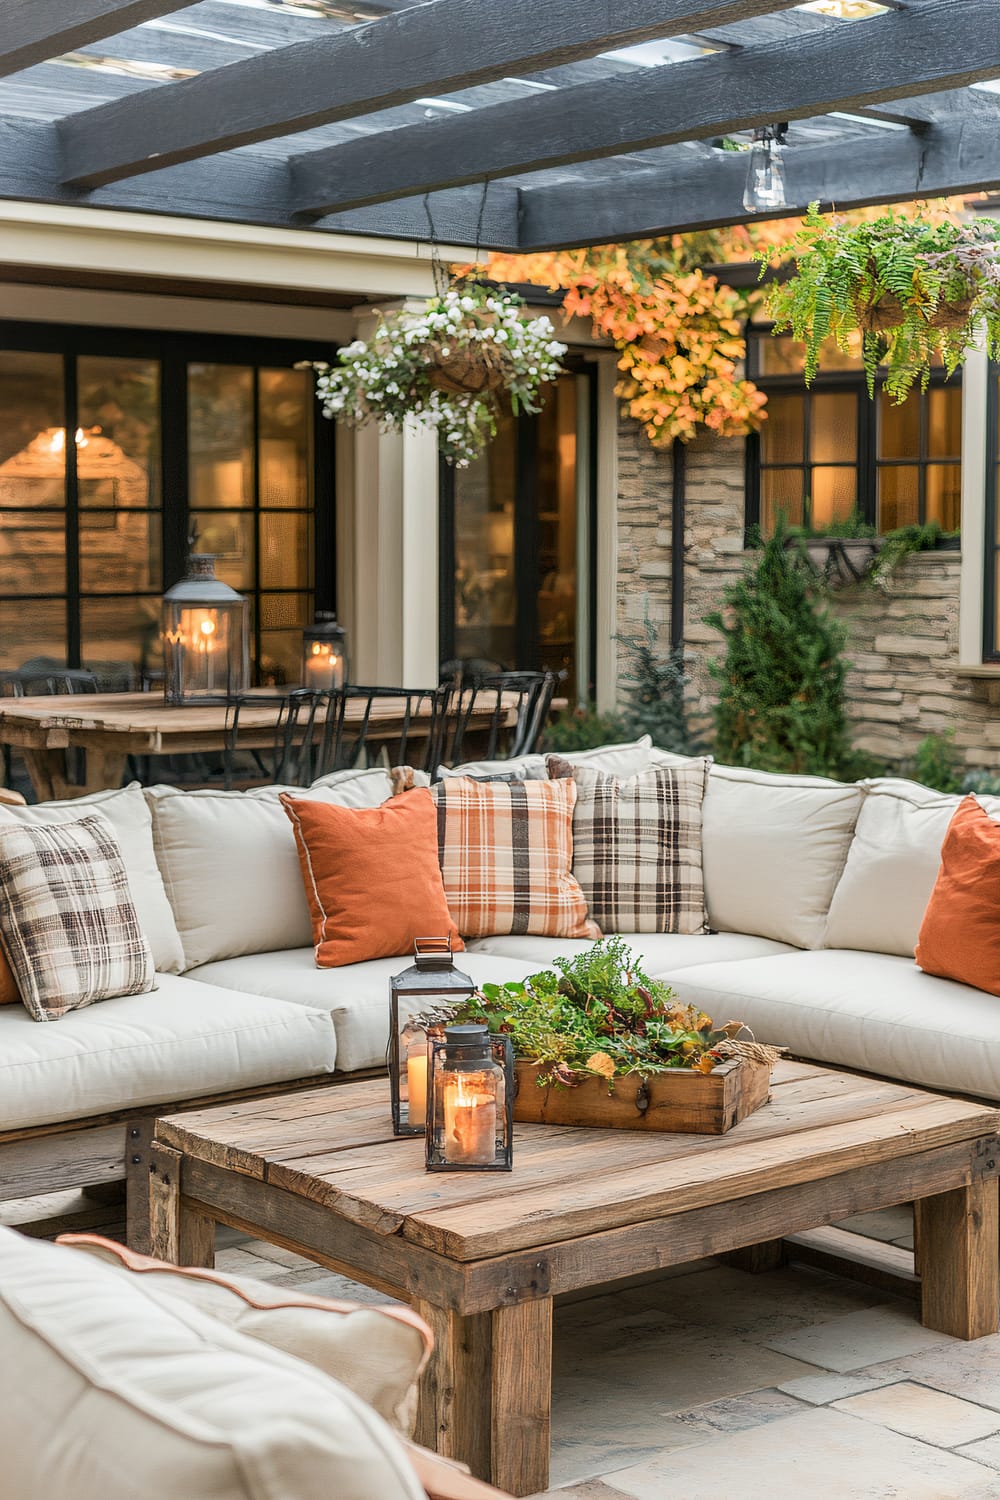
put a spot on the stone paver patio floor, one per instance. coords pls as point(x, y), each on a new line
point(708, 1382)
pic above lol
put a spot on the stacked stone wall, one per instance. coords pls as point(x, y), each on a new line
point(903, 682)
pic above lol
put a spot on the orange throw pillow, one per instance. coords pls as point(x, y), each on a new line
point(372, 877)
point(960, 934)
point(9, 992)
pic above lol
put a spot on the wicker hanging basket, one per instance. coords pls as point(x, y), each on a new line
point(888, 313)
point(470, 370)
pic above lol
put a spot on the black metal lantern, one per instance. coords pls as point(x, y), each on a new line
point(206, 637)
point(432, 983)
point(324, 653)
point(470, 1100)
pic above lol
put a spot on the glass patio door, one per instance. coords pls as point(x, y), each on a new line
point(517, 551)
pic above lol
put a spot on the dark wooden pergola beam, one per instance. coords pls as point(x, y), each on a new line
point(943, 44)
point(702, 191)
point(428, 49)
point(32, 31)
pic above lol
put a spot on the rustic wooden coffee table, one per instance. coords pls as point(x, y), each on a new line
point(481, 1256)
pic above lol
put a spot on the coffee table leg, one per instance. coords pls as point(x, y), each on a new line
point(176, 1233)
point(487, 1393)
point(958, 1260)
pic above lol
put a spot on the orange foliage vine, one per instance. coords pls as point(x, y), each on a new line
point(678, 331)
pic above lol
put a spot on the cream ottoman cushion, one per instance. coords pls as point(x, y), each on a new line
point(108, 1392)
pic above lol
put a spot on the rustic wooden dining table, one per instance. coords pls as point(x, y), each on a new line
point(109, 727)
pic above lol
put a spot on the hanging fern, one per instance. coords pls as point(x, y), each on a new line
point(916, 290)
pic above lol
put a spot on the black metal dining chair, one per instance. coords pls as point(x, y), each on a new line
point(42, 678)
point(505, 713)
point(419, 726)
point(295, 751)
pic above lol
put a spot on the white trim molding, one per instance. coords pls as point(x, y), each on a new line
point(975, 401)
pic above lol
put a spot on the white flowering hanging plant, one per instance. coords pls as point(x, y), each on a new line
point(447, 366)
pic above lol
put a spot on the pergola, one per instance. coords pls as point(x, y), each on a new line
point(514, 124)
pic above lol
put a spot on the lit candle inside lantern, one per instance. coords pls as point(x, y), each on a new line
point(470, 1118)
point(416, 1082)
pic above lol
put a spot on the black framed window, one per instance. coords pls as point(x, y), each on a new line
point(828, 452)
point(517, 557)
point(171, 435)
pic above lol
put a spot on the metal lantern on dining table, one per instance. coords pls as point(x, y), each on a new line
point(470, 1101)
point(324, 653)
point(431, 984)
point(206, 637)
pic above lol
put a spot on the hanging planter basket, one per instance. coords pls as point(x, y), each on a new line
point(472, 370)
point(450, 365)
point(887, 313)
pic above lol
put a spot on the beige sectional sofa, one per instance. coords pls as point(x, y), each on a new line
point(815, 889)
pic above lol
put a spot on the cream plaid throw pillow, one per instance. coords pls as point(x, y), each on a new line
point(637, 846)
point(67, 920)
point(506, 851)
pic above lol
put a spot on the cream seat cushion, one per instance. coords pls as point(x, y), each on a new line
point(891, 867)
point(179, 1041)
point(378, 1352)
point(109, 1392)
point(357, 995)
point(872, 1011)
point(659, 953)
point(132, 826)
point(773, 850)
point(229, 864)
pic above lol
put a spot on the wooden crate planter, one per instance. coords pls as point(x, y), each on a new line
point(682, 1100)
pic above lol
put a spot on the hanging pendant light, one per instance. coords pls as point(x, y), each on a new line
point(765, 187)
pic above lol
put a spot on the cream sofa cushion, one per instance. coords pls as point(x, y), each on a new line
point(108, 1392)
point(378, 1352)
point(617, 760)
point(659, 953)
point(773, 850)
point(871, 1011)
point(132, 826)
point(357, 996)
point(229, 863)
point(179, 1041)
point(891, 867)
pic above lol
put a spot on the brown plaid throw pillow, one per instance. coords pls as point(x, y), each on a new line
point(67, 920)
point(506, 850)
point(637, 846)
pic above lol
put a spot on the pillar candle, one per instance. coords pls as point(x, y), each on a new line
point(416, 1083)
point(470, 1118)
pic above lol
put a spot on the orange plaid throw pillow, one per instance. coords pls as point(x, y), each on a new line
point(506, 852)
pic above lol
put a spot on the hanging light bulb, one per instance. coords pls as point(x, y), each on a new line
point(765, 188)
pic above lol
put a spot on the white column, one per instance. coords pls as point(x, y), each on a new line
point(975, 391)
point(389, 542)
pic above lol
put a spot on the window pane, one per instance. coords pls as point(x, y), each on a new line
point(899, 427)
point(32, 552)
point(833, 428)
point(285, 561)
point(944, 495)
point(782, 433)
point(557, 533)
point(282, 619)
point(220, 436)
point(833, 495)
point(120, 550)
point(285, 399)
point(781, 492)
point(484, 551)
point(229, 537)
point(120, 633)
point(785, 356)
point(944, 422)
point(28, 634)
point(118, 444)
point(32, 436)
point(898, 497)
